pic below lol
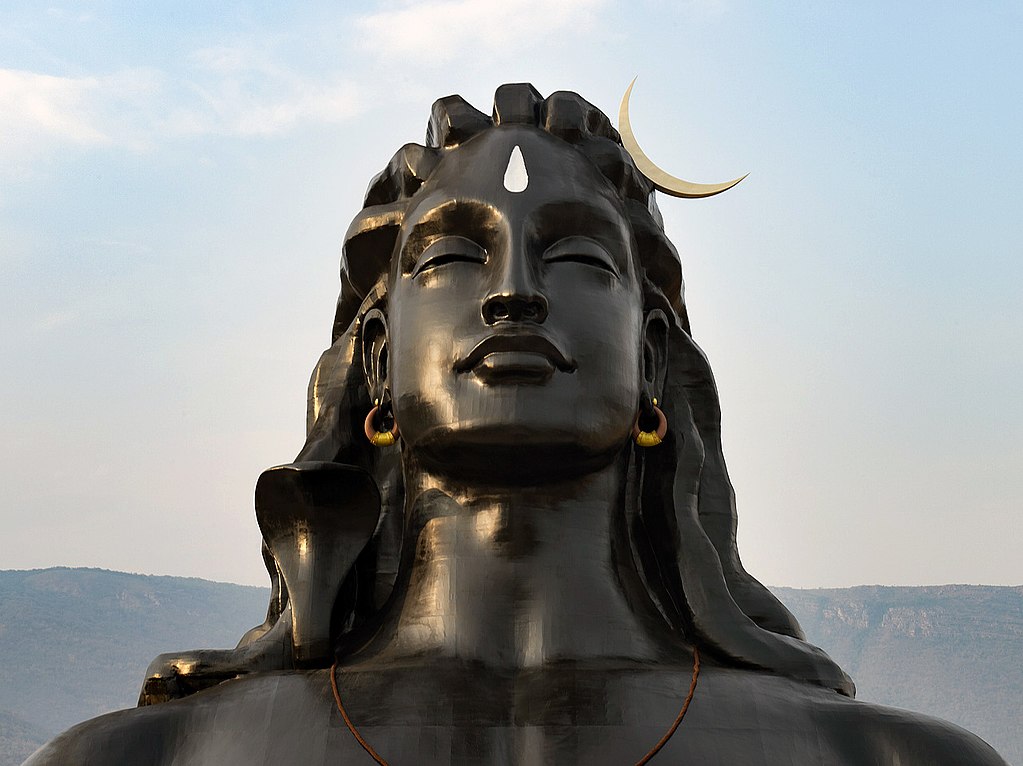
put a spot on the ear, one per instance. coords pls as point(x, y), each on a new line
point(655, 352)
point(374, 352)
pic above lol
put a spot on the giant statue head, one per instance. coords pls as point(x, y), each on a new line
point(509, 294)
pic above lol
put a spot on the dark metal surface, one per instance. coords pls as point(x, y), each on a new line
point(515, 581)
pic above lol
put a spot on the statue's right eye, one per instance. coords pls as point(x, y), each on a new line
point(445, 250)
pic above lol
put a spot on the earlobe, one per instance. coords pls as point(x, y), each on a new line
point(374, 352)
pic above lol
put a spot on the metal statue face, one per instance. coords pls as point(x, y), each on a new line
point(515, 310)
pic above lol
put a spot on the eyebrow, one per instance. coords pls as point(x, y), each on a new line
point(473, 219)
point(582, 217)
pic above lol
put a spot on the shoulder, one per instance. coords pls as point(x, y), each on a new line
point(137, 736)
point(887, 735)
point(268, 718)
point(826, 727)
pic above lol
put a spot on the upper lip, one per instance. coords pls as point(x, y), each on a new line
point(535, 344)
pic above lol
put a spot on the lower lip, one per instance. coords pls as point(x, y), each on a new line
point(512, 367)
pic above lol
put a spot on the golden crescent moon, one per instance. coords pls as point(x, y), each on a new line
point(669, 184)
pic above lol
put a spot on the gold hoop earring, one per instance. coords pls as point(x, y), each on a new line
point(380, 438)
point(650, 438)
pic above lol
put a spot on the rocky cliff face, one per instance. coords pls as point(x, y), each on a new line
point(954, 651)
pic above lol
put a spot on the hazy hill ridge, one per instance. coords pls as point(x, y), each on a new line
point(75, 643)
point(954, 651)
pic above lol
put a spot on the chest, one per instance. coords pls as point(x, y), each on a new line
point(566, 718)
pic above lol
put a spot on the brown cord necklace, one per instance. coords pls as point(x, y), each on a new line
point(645, 759)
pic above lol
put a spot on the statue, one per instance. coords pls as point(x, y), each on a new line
point(510, 535)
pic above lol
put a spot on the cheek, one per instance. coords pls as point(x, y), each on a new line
point(605, 328)
point(602, 325)
point(426, 323)
point(608, 387)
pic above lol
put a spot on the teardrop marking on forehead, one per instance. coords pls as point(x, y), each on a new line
point(516, 179)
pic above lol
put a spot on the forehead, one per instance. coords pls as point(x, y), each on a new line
point(555, 172)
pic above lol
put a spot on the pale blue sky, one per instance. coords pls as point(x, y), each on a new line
point(175, 182)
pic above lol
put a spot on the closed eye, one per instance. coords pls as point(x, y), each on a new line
point(582, 250)
point(450, 249)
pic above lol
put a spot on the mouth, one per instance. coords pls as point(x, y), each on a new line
point(509, 359)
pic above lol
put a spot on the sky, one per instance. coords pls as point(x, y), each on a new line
point(176, 179)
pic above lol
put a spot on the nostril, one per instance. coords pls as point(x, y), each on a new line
point(514, 309)
point(496, 309)
point(536, 310)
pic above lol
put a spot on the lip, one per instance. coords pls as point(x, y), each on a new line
point(515, 359)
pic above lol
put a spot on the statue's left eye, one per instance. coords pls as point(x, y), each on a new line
point(581, 250)
point(452, 249)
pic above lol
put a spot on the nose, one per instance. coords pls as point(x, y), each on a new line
point(514, 292)
point(515, 307)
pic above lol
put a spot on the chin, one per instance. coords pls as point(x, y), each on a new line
point(518, 452)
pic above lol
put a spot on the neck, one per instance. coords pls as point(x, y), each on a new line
point(516, 576)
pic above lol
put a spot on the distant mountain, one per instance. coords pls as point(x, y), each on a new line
point(75, 643)
point(18, 739)
point(953, 651)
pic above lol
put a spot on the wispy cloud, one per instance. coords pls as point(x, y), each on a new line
point(259, 86)
point(63, 108)
point(224, 91)
point(444, 30)
point(40, 113)
point(76, 17)
point(235, 90)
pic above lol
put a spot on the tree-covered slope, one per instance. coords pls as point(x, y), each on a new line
point(75, 643)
